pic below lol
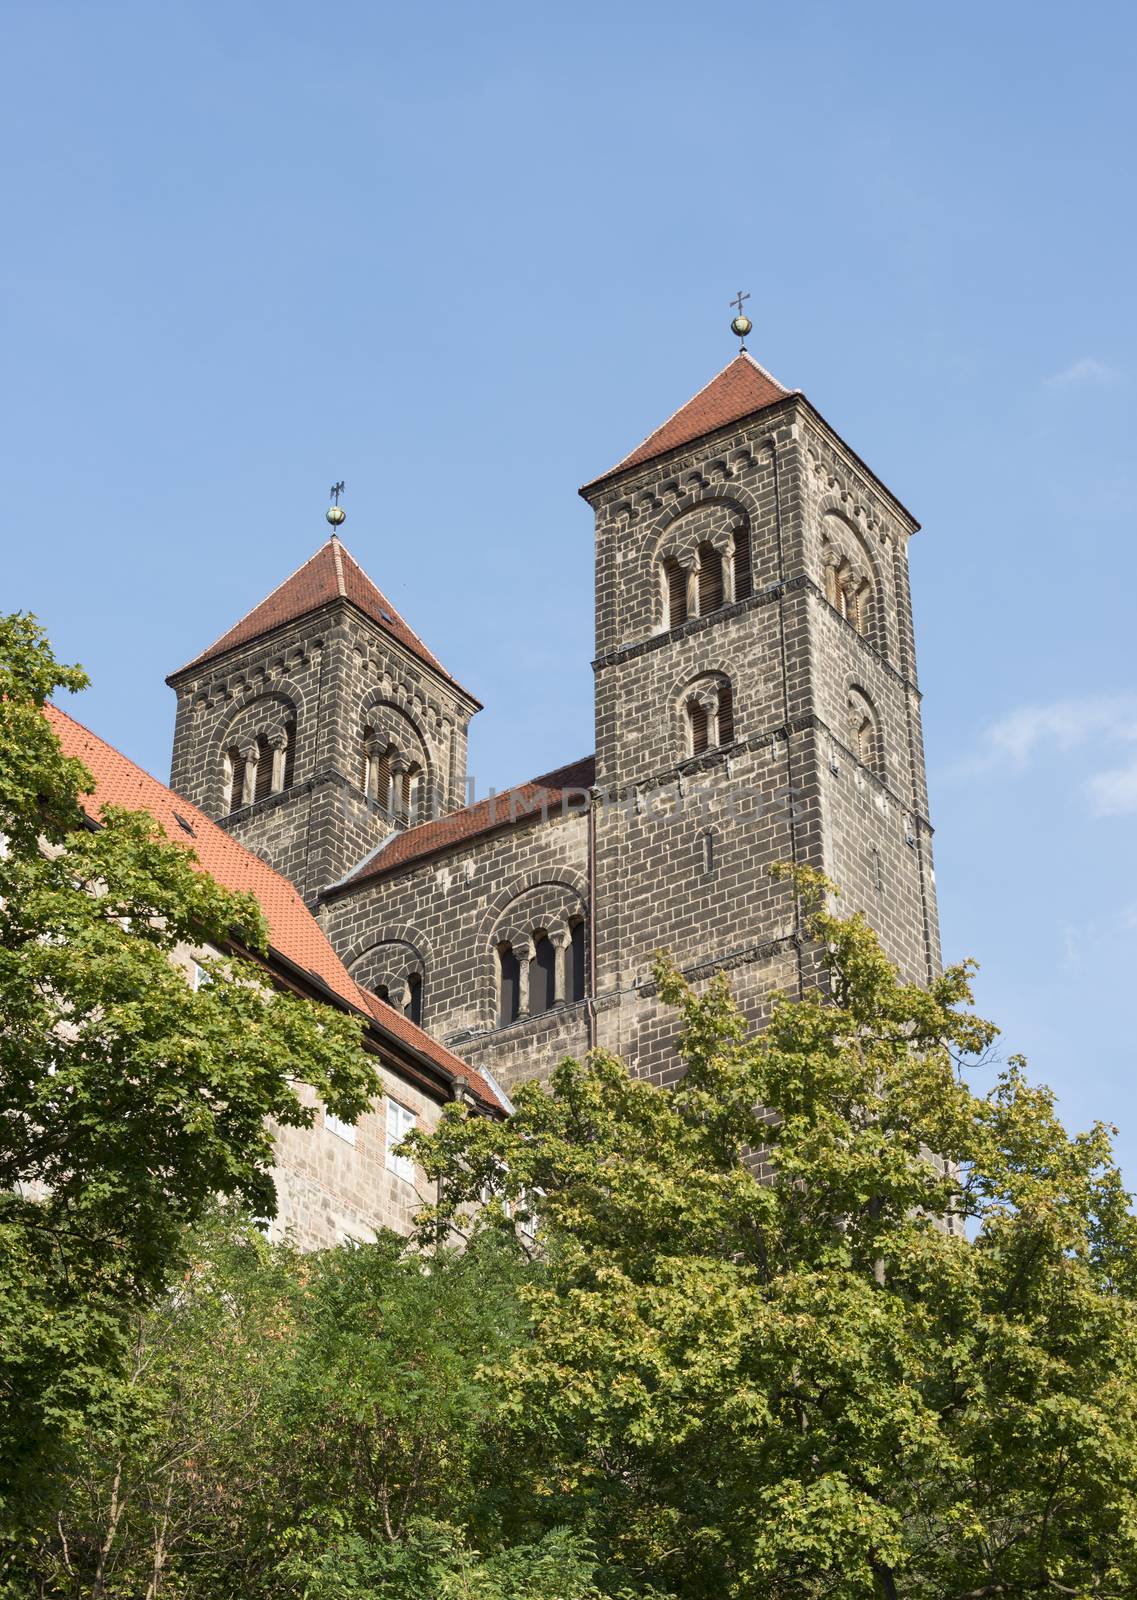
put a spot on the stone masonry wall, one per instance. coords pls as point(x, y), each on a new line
point(449, 912)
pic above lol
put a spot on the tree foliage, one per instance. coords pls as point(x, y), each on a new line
point(130, 1099)
point(779, 1348)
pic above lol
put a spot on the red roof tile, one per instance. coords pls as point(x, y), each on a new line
point(331, 574)
point(737, 391)
point(505, 810)
point(293, 930)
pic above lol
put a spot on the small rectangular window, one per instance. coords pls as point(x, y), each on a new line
point(342, 1130)
point(400, 1122)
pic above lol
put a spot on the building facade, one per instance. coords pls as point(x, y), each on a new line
point(756, 701)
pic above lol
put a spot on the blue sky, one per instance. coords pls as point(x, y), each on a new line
point(464, 257)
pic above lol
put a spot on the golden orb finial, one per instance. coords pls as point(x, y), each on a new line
point(742, 325)
point(335, 513)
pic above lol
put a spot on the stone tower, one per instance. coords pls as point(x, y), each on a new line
point(756, 701)
point(320, 724)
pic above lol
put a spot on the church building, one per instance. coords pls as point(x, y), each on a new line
point(756, 701)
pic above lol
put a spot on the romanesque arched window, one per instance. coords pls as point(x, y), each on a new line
point(264, 768)
point(725, 714)
point(234, 779)
point(509, 985)
point(864, 731)
point(710, 580)
point(542, 975)
point(574, 962)
point(697, 734)
point(674, 592)
point(849, 586)
point(414, 998)
point(743, 581)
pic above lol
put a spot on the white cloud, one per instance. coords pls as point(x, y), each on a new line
point(1031, 734)
point(1114, 793)
point(1085, 371)
point(1060, 726)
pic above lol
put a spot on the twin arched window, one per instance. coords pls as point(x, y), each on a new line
point(411, 1005)
point(708, 715)
point(864, 731)
point(259, 767)
point(535, 975)
point(713, 579)
point(392, 779)
point(848, 577)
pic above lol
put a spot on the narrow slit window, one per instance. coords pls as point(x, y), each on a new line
point(726, 715)
point(414, 998)
point(541, 975)
point(509, 985)
point(264, 769)
point(574, 963)
point(676, 577)
point(743, 577)
point(710, 580)
point(697, 723)
point(237, 787)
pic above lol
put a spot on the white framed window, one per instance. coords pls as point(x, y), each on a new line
point(342, 1130)
point(400, 1121)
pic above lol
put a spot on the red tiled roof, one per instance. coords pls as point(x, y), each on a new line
point(331, 574)
point(505, 810)
point(737, 391)
point(293, 930)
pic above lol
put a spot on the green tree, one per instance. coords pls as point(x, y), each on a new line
point(316, 1425)
point(780, 1349)
point(130, 1100)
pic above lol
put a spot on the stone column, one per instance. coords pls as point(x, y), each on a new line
point(249, 754)
point(559, 941)
point(279, 745)
point(523, 950)
point(692, 570)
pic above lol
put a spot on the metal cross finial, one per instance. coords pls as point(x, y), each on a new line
point(742, 324)
point(336, 491)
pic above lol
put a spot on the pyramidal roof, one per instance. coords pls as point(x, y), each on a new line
point(737, 391)
point(331, 574)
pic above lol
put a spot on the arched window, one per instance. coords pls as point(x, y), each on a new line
point(411, 795)
point(509, 985)
point(289, 753)
point(696, 727)
point(743, 580)
point(383, 992)
point(710, 580)
point(237, 780)
point(675, 592)
point(264, 769)
point(542, 969)
point(726, 715)
point(574, 963)
point(414, 997)
point(848, 587)
point(864, 732)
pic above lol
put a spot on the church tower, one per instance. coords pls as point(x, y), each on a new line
point(756, 701)
point(320, 724)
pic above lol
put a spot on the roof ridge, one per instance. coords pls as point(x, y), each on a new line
point(363, 573)
point(337, 557)
point(766, 373)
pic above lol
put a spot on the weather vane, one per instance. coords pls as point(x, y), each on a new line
point(335, 512)
point(742, 324)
